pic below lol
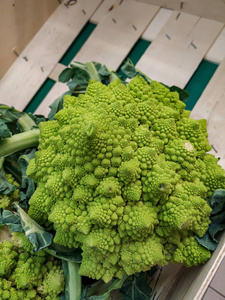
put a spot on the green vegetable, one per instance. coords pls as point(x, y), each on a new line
point(217, 218)
point(123, 173)
point(120, 182)
point(77, 77)
point(28, 275)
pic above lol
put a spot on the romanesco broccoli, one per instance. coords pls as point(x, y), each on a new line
point(28, 275)
point(7, 200)
point(123, 172)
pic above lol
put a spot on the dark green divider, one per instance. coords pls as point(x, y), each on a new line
point(40, 95)
point(136, 52)
point(195, 86)
point(77, 43)
point(199, 81)
point(65, 60)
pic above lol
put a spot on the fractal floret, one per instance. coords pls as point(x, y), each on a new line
point(28, 275)
point(124, 173)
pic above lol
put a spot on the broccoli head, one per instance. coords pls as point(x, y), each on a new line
point(123, 172)
point(28, 275)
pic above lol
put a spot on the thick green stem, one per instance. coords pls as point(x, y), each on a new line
point(73, 280)
point(19, 141)
point(26, 123)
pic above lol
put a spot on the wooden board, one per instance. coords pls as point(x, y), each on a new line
point(110, 42)
point(210, 9)
point(115, 35)
point(20, 20)
point(103, 10)
point(216, 53)
point(38, 59)
point(179, 48)
point(192, 283)
point(211, 106)
point(157, 24)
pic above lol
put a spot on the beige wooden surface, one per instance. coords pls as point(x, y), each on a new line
point(210, 9)
point(191, 39)
point(217, 52)
point(115, 35)
point(211, 106)
point(179, 48)
point(110, 42)
point(39, 58)
point(20, 20)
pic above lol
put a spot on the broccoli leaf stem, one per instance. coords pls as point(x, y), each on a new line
point(19, 142)
point(72, 279)
point(26, 123)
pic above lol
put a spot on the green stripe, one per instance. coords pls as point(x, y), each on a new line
point(65, 60)
point(136, 52)
point(77, 43)
point(40, 95)
point(199, 81)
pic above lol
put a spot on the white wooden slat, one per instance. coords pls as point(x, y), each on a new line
point(217, 52)
point(191, 283)
point(157, 24)
point(104, 8)
point(111, 40)
point(41, 55)
point(115, 35)
point(58, 89)
point(211, 106)
point(210, 9)
point(176, 52)
point(54, 75)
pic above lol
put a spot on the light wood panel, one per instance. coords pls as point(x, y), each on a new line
point(20, 20)
point(157, 24)
point(211, 106)
point(216, 53)
point(210, 9)
point(58, 89)
point(103, 10)
point(38, 59)
point(111, 40)
point(179, 48)
point(115, 35)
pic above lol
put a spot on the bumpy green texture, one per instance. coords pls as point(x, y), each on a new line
point(28, 275)
point(124, 173)
point(6, 201)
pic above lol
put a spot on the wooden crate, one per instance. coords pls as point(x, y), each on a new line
point(168, 42)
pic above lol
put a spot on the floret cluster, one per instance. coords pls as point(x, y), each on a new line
point(123, 172)
point(27, 275)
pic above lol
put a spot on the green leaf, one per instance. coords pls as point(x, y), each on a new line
point(5, 187)
point(66, 75)
point(72, 280)
point(11, 219)
point(4, 130)
point(36, 234)
point(207, 241)
point(136, 287)
point(217, 201)
point(217, 217)
point(101, 290)
point(9, 114)
point(56, 106)
point(65, 253)
point(130, 71)
point(27, 186)
point(183, 95)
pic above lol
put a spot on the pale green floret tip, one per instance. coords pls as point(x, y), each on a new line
point(123, 172)
point(28, 275)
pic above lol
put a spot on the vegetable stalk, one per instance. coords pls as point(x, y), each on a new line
point(73, 280)
point(19, 141)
